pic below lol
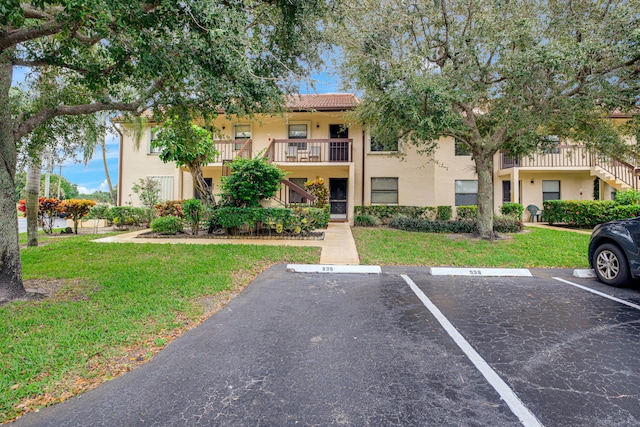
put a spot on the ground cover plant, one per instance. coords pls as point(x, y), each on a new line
point(113, 307)
point(535, 248)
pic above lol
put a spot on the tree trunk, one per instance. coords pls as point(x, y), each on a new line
point(484, 169)
point(10, 265)
point(112, 194)
point(32, 198)
point(205, 190)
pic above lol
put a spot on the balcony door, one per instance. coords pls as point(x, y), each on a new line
point(338, 151)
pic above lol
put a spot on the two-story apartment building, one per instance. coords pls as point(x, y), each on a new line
point(315, 139)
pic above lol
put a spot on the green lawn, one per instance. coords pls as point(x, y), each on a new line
point(536, 247)
point(115, 306)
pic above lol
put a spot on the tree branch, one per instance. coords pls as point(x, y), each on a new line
point(13, 38)
point(42, 116)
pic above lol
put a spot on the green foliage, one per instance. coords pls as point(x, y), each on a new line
point(98, 211)
point(512, 209)
point(319, 189)
point(251, 180)
point(366, 220)
point(48, 210)
point(467, 212)
point(193, 213)
point(127, 215)
point(588, 213)
point(500, 225)
point(444, 213)
point(272, 220)
point(148, 190)
point(628, 197)
point(170, 208)
point(166, 225)
point(386, 212)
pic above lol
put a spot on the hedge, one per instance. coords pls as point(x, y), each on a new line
point(386, 212)
point(467, 212)
point(500, 225)
point(512, 209)
point(280, 220)
point(587, 213)
point(166, 225)
point(127, 215)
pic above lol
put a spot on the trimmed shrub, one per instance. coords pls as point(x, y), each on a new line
point(365, 220)
point(444, 213)
point(316, 217)
point(166, 225)
point(318, 188)
point(507, 224)
point(512, 209)
point(628, 197)
point(586, 213)
point(98, 211)
point(278, 220)
point(500, 225)
point(467, 212)
point(386, 212)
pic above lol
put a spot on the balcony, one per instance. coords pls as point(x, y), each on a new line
point(230, 149)
point(337, 150)
point(561, 156)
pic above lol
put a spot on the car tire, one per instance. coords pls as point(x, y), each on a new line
point(611, 266)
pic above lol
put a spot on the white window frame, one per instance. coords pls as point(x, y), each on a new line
point(548, 181)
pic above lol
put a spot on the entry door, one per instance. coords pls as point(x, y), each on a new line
point(338, 151)
point(338, 196)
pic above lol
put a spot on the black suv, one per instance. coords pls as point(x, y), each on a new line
point(614, 251)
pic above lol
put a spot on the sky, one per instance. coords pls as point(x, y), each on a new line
point(92, 177)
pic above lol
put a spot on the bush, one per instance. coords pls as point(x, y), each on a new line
point(366, 220)
point(193, 211)
point(76, 209)
point(500, 225)
point(278, 220)
point(166, 225)
point(170, 208)
point(316, 217)
point(587, 213)
point(251, 180)
point(628, 197)
point(386, 212)
point(512, 209)
point(467, 212)
point(318, 188)
point(127, 215)
point(98, 211)
point(444, 213)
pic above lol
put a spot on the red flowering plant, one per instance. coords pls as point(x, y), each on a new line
point(48, 210)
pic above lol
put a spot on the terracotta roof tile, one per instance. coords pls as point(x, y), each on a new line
point(323, 102)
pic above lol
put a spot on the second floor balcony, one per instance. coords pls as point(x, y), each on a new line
point(334, 150)
point(230, 149)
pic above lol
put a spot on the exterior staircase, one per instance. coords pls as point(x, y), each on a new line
point(619, 174)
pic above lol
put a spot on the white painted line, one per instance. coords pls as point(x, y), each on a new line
point(321, 268)
point(584, 274)
point(602, 294)
point(495, 272)
point(506, 393)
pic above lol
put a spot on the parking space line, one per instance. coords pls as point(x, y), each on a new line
point(506, 393)
point(602, 294)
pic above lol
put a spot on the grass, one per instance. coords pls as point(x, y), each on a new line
point(536, 248)
point(114, 306)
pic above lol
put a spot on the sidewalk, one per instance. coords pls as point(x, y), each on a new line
point(551, 227)
point(338, 246)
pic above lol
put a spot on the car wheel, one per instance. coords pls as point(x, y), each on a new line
point(610, 265)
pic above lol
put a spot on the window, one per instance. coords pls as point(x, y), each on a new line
point(382, 145)
point(241, 132)
point(462, 149)
point(152, 137)
point(466, 192)
point(384, 191)
point(338, 131)
point(506, 191)
point(298, 131)
point(550, 190)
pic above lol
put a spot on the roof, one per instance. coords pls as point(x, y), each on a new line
point(322, 102)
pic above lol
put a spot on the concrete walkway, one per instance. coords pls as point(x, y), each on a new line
point(551, 227)
point(338, 246)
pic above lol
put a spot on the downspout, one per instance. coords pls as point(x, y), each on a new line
point(364, 147)
point(120, 165)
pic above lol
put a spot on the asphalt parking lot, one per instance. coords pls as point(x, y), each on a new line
point(399, 348)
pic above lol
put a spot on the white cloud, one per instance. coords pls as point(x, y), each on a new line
point(104, 186)
point(85, 190)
